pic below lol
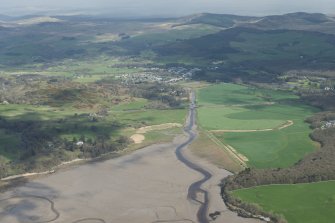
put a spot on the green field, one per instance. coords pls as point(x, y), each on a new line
point(236, 107)
point(277, 148)
point(234, 118)
point(233, 94)
point(150, 117)
point(299, 203)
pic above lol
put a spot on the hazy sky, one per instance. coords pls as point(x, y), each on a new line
point(167, 7)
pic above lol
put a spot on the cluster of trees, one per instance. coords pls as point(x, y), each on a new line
point(323, 100)
point(317, 166)
point(93, 148)
point(169, 95)
point(33, 138)
point(55, 91)
point(40, 139)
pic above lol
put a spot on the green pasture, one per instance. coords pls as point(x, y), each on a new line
point(43, 113)
point(149, 117)
point(299, 203)
point(233, 94)
point(237, 107)
point(277, 148)
point(234, 118)
point(272, 149)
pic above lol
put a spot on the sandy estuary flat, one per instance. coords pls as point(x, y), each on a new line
point(149, 185)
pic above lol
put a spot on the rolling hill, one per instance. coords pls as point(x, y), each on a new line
point(293, 21)
point(221, 20)
point(246, 51)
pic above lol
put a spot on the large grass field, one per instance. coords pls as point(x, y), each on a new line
point(235, 118)
point(236, 107)
point(233, 94)
point(299, 203)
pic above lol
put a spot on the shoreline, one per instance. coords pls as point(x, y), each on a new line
point(153, 172)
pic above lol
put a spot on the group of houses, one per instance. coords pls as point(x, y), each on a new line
point(328, 124)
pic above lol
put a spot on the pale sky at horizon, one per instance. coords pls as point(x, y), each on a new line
point(167, 7)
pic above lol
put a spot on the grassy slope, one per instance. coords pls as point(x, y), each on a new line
point(300, 203)
point(229, 106)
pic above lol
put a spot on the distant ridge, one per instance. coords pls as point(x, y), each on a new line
point(221, 20)
point(292, 21)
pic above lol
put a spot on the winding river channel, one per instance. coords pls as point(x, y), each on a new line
point(159, 183)
point(195, 187)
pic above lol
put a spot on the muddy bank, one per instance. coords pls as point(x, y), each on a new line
point(148, 185)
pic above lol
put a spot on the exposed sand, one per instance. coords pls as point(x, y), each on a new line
point(288, 123)
point(137, 138)
point(149, 185)
point(146, 186)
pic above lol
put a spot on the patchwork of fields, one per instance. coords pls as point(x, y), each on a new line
point(271, 141)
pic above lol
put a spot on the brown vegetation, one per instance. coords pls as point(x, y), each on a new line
point(204, 147)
